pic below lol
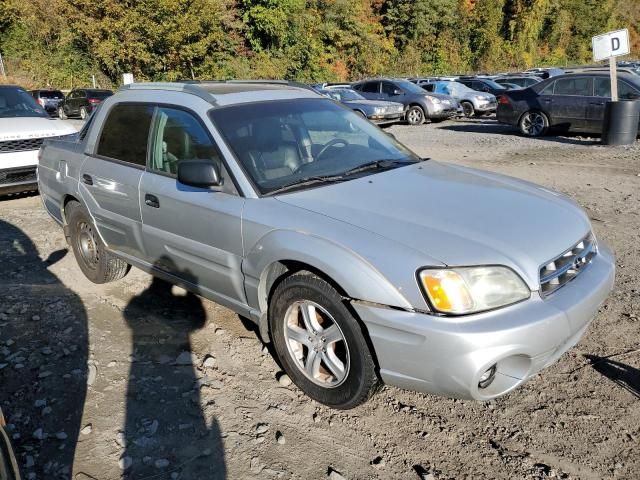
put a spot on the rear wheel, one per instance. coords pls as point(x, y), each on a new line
point(83, 113)
point(534, 124)
point(61, 114)
point(319, 342)
point(415, 115)
point(96, 262)
point(468, 109)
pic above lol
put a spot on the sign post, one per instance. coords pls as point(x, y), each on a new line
point(611, 45)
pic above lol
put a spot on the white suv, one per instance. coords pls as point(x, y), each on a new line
point(23, 127)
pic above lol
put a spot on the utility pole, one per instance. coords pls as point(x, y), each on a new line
point(2, 70)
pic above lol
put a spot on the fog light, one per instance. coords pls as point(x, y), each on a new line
point(487, 377)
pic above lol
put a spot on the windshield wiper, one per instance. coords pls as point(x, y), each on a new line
point(305, 182)
point(383, 164)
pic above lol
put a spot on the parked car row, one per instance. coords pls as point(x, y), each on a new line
point(78, 103)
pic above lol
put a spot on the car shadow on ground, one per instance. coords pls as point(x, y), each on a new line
point(621, 374)
point(166, 428)
point(493, 127)
point(43, 357)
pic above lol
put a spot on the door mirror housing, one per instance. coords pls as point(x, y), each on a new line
point(397, 91)
point(199, 173)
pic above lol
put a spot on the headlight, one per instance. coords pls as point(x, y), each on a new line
point(472, 289)
point(435, 100)
point(481, 98)
point(379, 110)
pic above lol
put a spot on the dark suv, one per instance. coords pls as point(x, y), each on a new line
point(48, 99)
point(419, 104)
point(81, 102)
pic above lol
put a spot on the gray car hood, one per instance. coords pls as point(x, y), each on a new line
point(456, 215)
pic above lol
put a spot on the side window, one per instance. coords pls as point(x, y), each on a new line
point(429, 87)
point(370, 87)
point(178, 136)
point(388, 88)
point(582, 86)
point(602, 87)
point(125, 133)
point(627, 92)
point(548, 89)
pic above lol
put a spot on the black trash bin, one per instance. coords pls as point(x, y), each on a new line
point(620, 123)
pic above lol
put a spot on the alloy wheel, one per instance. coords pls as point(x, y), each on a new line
point(533, 124)
point(316, 344)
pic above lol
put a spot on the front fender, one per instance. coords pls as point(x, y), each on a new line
point(353, 273)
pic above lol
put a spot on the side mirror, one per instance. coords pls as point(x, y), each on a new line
point(199, 173)
point(397, 91)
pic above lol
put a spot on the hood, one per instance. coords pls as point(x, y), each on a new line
point(19, 128)
point(456, 215)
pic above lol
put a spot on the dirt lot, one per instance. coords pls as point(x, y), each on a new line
point(139, 380)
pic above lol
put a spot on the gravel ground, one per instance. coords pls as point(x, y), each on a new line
point(140, 380)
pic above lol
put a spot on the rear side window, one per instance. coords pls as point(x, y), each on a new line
point(51, 94)
point(582, 86)
point(125, 133)
point(370, 87)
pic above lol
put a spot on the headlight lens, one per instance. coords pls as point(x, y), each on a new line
point(472, 289)
point(379, 110)
point(435, 100)
point(481, 98)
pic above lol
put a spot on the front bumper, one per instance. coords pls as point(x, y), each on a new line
point(18, 180)
point(447, 356)
point(387, 118)
point(486, 107)
point(443, 111)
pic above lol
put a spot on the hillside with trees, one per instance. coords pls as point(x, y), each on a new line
point(63, 43)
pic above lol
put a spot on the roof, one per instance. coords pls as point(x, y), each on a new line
point(231, 92)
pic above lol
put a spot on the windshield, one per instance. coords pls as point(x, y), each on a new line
point(493, 84)
point(409, 87)
point(281, 143)
point(343, 94)
point(56, 94)
point(452, 88)
point(99, 94)
point(16, 102)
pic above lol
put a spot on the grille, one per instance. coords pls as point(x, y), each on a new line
point(25, 175)
point(24, 145)
point(564, 268)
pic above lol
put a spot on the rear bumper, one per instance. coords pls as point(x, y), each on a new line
point(448, 356)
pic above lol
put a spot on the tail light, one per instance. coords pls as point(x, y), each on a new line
point(41, 102)
point(503, 100)
point(94, 101)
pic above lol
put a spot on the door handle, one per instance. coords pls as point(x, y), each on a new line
point(596, 103)
point(546, 100)
point(151, 200)
point(87, 179)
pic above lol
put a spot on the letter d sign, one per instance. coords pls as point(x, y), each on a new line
point(615, 44)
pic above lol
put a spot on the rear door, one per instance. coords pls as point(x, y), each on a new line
point(110, 176)
point(191, 233)
point(570, 102)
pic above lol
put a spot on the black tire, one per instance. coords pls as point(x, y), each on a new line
point(360, 381)
point(61, 114)
point(95, 261)
point(360, 113)
point(83, 113)
point(415, 115)
point(468, 109)
point(533, 124)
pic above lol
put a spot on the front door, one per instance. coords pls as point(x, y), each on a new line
point(602, 95)
point(191, 233)
point(109, 177)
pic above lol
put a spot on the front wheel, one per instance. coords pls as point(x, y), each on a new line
point(96, 262)
point(534, 124)
point(319, 342)
point(83, 113)
point(468, 109)
point(415, 115)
